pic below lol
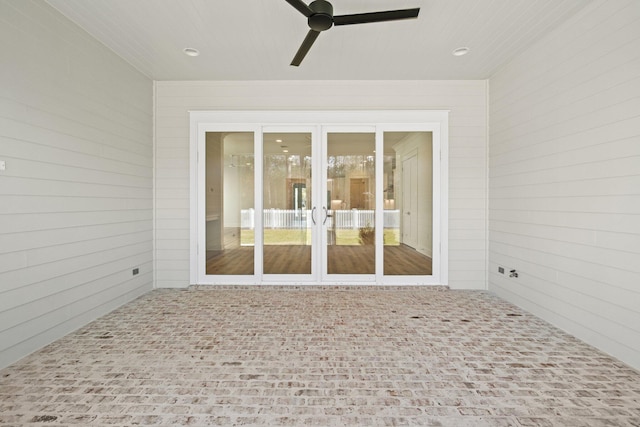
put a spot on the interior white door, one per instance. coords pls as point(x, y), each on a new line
point(410, 201)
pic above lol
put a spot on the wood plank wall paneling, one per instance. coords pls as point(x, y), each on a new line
point(467, 101)
point(76, 211)
point(564, 178)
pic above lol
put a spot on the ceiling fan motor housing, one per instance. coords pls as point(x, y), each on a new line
point(322, 17)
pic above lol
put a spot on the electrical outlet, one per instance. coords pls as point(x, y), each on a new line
point(136, 271)
point(501, 270)
point(3, 165)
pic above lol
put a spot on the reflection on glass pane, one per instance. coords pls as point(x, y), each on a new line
point(351, 203)
point(287, 203)
point(229, 203)
point(408, 203)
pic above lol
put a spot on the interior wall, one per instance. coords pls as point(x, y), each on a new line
point(214, 191)
point(466, 100)
point(418, 144)
point(76, 211)
point(564, 162)
point(238, 193)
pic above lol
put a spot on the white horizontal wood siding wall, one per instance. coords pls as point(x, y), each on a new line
point(76, 198)
point(467, 101)
point(564, 170)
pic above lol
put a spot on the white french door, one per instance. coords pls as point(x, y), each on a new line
point(318, 197)
point(349, 227)
point(288, 198)
point(318, 204)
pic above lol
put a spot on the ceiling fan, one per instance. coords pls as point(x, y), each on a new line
point(320, 17)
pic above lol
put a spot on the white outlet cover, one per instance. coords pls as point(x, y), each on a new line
point(3, 165)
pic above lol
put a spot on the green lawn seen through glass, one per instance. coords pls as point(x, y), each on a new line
point(297, 236)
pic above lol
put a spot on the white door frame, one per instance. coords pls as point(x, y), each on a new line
point(435, 121)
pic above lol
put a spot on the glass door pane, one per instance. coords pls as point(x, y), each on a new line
point(229, 175)
point(408, 203)
point(287, 203)
point(350, 216)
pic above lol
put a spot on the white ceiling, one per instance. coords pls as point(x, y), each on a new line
point(257, 39)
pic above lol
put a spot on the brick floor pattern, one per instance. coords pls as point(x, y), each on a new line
point(319, 356)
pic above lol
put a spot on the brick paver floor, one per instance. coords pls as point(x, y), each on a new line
point(319, 356)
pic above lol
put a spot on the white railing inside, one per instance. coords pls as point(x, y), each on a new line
point(301, 218)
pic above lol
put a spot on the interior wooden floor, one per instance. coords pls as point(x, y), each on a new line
point(296, 259)
point(404, 260)
point(237, 261)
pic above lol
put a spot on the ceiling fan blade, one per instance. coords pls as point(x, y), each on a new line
point(301, 6)
point(311, 37)
point(363, 18)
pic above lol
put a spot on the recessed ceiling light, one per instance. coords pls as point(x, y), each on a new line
point(189, 51)
point(461, 51)
point(285, 151)
point(278, 140)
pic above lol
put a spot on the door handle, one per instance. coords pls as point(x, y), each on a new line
point(313, 215)
point(326, 214)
